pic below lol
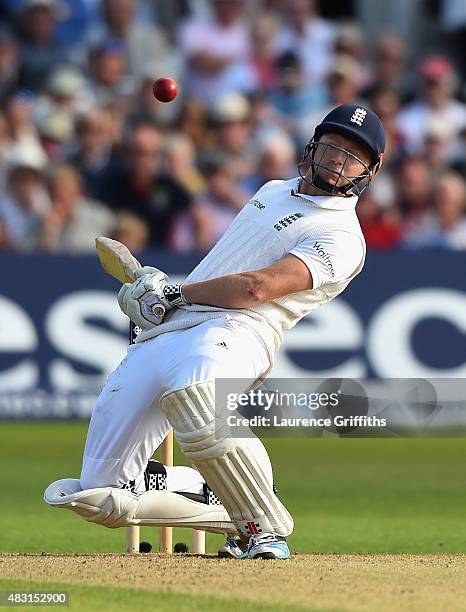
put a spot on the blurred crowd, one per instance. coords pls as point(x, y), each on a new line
point(86, 150)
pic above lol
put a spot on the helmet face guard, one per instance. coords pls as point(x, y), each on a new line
point(353, 185)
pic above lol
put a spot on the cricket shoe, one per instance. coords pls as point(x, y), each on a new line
point(233, 548)
point(268, 546)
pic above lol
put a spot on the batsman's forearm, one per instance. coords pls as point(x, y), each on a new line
point(235, 291)
point(248, 289)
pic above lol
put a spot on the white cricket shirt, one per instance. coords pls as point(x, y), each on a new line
point(323, 231)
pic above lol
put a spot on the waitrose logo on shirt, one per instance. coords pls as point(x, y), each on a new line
point(325, 258)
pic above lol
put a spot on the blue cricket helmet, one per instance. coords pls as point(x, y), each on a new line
point(357, 122)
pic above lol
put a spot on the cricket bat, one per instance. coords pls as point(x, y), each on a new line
point(117, 260)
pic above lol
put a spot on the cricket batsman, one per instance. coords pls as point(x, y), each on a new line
point(293, 247)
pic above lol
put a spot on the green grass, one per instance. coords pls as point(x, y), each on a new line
point(111, 599)
point(396, 495)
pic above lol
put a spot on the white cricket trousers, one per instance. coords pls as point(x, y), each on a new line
point(127, 424)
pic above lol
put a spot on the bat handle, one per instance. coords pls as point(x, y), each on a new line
point(134, 330)
point(158, 310)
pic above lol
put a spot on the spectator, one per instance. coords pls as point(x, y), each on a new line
point(453, 15)
point(276, 161)
point(458, 163)
point(73, 221)
point(342, 83)
point(138, 185)
point(414, 197)
point(450, 202)
point(222, 200)
point(349, 41)
point(22, 139)
point(77, 19)
point(65, 92)
point(220, 184)
point(293, 99)
point(132, 231)
point(109, 83)
point(437, 137)
point(24, 205)
point(445, 226)
point(180, 161)
point(388, 69)
point(381, 226)
point(193, 122)
point(9, 58)
point(263, 57)
point(437, 102)
point(56, 132)
point(140, 42)
point(40, 51)
point(233, 133)
point(217, 50)
point(3, 154)
point(265, 122)
point(116, 125)
point(5, 244)
point(65, 89)
point(386, 103)
point(308, 35)
point(94, 149)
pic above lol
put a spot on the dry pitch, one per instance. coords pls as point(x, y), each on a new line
point(310, 582)
point(357, 503)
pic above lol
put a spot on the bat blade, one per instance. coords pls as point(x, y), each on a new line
point(116, 259)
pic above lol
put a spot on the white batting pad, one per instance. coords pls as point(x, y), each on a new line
point(114, 507)
point(107, 506)
point(237, 469)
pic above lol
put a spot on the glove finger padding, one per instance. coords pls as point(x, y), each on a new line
point(122, 297)
point(149, 270)
point(140, 287)
point(132, 308)
point(134, 312)
point(136, 290)
point(138, 300)
point(130, 293)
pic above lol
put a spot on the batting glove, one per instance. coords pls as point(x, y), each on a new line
point(149, 297)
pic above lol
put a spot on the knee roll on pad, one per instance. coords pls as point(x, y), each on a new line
point(237, 469)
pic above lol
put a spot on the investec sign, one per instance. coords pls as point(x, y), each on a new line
point(59, 338)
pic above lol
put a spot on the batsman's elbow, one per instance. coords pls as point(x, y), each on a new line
point(255, 289)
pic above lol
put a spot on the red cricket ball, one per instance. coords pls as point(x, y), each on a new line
point(165, 89)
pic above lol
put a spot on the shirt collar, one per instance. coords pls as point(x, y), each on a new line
point(331, 202)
